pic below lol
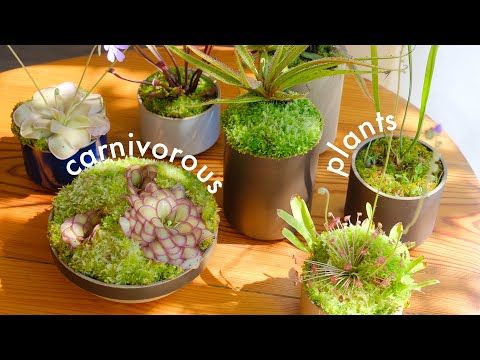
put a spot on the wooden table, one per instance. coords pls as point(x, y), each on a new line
point(244, 276)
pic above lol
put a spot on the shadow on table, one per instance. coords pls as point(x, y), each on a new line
point(14, 182)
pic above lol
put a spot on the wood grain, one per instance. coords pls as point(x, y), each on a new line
point(244, 276)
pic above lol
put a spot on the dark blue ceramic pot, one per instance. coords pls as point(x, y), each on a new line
point(51, 173)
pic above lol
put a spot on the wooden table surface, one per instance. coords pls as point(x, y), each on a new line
point(244, 276)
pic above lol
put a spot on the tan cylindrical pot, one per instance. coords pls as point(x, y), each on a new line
point(255, 187)
point(326, 95)
point(393, 209)
point(307, 307)
point(192, 135)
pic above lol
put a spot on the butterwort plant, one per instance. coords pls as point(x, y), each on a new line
point(63, 118)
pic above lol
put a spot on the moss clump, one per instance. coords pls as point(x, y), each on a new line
point(40, 144)
point(273, 129)
point(415, 175)
point(110, 256)
point(174, 102)
point(384, 281)
point(316, 51)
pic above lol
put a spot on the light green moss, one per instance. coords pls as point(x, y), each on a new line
point(273, 129)
point(174, 103)
point(411, 177)
point(110, 256)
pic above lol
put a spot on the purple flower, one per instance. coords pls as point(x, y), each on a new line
point(438, 128)
point(114, 52)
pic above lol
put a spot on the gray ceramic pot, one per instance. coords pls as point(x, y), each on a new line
point(255, 187)
point(393, 209)
point(326, 95)
point(192, 135)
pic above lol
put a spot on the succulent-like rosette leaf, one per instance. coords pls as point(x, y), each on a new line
point(167, 225)
point(80, 228)
point(64, 115)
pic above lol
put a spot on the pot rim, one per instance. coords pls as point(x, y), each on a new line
point(49, 152)
point(269, 158)
point(193, 117)
point(438, 188)
point(131, 287)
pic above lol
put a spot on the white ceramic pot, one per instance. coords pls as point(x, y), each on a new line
point(192, 135)
point(326, 95)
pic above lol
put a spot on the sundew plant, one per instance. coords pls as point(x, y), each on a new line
point(413, 169)
point(178, 91)
point(268, 119)
point(354, 267)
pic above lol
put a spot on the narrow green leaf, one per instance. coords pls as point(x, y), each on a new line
point(369, 211)
point(228, 77)
point(243, 76)
point(415, 265)
point(295, 223)
point(374, 60)
point(426, 283)
point(289, 55)
point(308, 222)
point(247, 59)
point(294, 240)
point(396, 232)
point(427, 82)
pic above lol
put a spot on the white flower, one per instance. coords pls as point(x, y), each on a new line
point(62, 117)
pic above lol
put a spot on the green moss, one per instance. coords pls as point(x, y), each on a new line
point(40, 144)
point(411, 177)
point(370, 297)
point(110, 256)
point(174, 103)
point(273, 129)
point(321, 51)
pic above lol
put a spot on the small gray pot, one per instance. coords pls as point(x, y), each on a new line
point(326, 95)
point(192, 135)
point(393, 209)
point(255, 187)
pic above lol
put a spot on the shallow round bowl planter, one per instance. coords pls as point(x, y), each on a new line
point(192, 135)
point(392, 209)
point(44, 169)
point(255, 187)
point(140, 230)
point(326, 94)
point(132, 293)
point(307, 307)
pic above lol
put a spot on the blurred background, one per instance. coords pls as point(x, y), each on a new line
point(453, 98)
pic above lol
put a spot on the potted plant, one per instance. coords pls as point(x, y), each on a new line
point(414, 180)
point(134, 229)
point(325, 92)
point(57, 125)
point(271, 133)
point(172, 104)
point(353, 267)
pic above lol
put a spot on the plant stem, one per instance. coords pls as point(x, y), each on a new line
point(29, 75)
point(85, 69)
point(425, 93)
point(113, 72)
point(177, 69)
point(160, 64)
point(185, 49)
point(376, 97)
point(324, 191)
point(410, 76)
